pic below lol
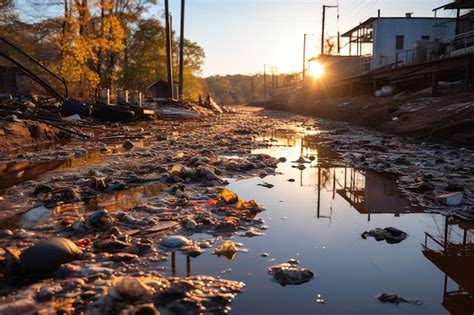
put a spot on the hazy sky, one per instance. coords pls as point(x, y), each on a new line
point(240, 36)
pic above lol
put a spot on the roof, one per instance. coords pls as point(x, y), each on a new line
point(459, 4)
point(162, 83)
point(370, 21)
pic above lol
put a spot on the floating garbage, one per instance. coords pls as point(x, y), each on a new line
point(395, 299)
point(390, 234)
point(252, 232)
point(228, 249)
point(287, 273)
point(266, 185)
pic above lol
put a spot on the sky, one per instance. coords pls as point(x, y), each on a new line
point(241, 36)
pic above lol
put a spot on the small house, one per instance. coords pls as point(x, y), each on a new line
point(159, 89)
point(398, 40)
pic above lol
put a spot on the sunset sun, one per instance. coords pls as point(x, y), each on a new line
point(316, 70)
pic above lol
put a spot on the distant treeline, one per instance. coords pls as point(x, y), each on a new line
point(242, 89)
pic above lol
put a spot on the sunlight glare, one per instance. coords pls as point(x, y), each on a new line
point(316, 70)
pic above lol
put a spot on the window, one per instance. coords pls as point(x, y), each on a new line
point(399, 42)
point(425, 37)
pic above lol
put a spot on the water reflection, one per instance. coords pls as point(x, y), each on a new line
point(453, 254)
point(14, 173)
point(119, 201)
point(173, 264)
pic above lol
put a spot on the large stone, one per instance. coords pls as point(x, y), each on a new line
point(175, 241)
point(47, 256)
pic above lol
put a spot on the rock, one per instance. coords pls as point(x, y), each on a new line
point(390, 234)
point(35, 215)
point(128, 145)
point(282, 159)
point(192, 250)
point(421, 187)
point(131, 287)
point(191, 224)
point(42, 189)
point(47, 256)
point(6, 233)
point(401, 160)
point(118, 257)
point(228, 196)
point(207, 174)
point(175, 241)
point(143, 309)
point(181, 171)
point(290, 274)
point(450, 199)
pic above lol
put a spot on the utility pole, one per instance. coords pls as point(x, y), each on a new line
point(265, 81)
point(323, 25)
point(252, 86)
point(181, 52)
point(273, 82)
point(169, 57)
point(304, 57)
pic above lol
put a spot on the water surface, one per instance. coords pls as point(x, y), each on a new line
point(318, 219)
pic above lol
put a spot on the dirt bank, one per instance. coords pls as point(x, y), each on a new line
point(23, 134)
point(445, 119)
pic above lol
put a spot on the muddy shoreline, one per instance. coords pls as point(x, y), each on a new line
point(170, 179)
point(445, 119)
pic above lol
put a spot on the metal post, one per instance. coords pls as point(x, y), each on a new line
point(338, 43)
point(322, 30)
point(273, 82)
point(169, 61)
point(350, 45)
point(181, 52)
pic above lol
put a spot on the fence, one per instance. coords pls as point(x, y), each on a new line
point(429, 51)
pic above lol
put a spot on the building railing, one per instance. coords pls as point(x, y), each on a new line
point(427, 51)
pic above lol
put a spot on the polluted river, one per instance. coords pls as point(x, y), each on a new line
point(254, 212)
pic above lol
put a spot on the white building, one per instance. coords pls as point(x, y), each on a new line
point(395, 41)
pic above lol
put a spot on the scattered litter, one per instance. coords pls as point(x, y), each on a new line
point(390, 234)
point(286, 274)
point(395, 299)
